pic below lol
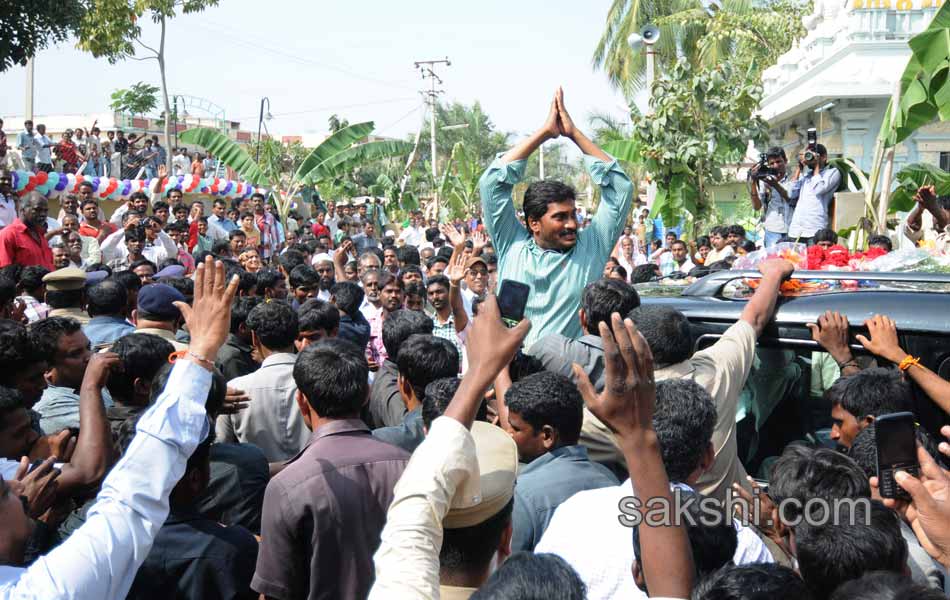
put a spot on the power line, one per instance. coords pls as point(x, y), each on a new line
point(399, 120)
point(337, 107)
point(234, 38)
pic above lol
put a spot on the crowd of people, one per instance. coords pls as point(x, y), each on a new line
point(236, 405)
point(96, 154)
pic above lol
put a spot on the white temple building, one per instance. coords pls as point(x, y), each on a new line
point(839, 77)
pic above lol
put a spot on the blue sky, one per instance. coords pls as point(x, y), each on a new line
point(354, 58)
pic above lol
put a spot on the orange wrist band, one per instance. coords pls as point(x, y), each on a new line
point(908, 362)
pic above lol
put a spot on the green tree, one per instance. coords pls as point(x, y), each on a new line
point(139, 99)
point(110, 29)
point(480, 137)
point(29, 27)
point(702, 120)
point(745, 33)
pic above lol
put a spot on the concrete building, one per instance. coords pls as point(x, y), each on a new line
point(840, 76)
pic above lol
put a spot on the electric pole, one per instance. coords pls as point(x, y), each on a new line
point(427, 69)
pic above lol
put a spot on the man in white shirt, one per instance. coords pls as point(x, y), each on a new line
point(101, 558)
point(8, 205)
point(721, 248)
point(587, 530)
point(332, 219)
point(415, 234)
point(181, 164)
point(44, 159)
point(676, 259)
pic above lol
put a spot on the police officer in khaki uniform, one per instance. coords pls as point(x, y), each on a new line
point(66, 293)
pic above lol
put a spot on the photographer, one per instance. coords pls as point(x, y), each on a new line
point(814, 190)
point(771, 193)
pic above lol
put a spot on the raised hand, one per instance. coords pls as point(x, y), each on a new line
point(831, 332)
point(341, 254)
point(490, 344)
point(883, 342)
point(209, 317)
point(627, 403)
point(926, 195)
point(552, 126)
point(97, 371)
point(453, 235)
point(564, 121)
point(479, 241)
point(456, 270)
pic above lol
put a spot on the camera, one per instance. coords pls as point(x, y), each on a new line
point(764, 170)
point(811, 152)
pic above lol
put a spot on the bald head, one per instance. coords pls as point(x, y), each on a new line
point(33, 209)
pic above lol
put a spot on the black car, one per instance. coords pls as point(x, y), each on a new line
point(783, 397)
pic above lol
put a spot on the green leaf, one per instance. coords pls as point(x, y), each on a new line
point(625, 150)
point(227, 151)
point(337, 142)
point(911, 178)
point(351, 157)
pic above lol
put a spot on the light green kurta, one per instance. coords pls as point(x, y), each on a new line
point(557, 279)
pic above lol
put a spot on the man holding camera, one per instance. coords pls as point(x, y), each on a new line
point(773, 193)
point(814, 190)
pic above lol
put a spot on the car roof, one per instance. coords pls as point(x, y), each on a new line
point(916, 301)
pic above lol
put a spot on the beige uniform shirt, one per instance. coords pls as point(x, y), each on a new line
point(442, 467)
point(165, 335)
point(722, 369)
point(73, 313)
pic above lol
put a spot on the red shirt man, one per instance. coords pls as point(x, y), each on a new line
point(23, 242)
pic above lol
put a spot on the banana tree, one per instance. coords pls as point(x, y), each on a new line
point(921, 95)
point(462, 192)
point(336, 156)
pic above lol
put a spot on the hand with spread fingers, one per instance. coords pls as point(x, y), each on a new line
point(455, 237)
point(626, 405)
point(456, 270)
point(883, 338)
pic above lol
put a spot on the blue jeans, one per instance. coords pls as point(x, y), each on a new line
point(772, 238)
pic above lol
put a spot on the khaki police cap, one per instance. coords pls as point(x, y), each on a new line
point(66, 279)
point(498, 467)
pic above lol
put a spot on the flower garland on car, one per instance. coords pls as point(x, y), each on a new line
point(838, 258)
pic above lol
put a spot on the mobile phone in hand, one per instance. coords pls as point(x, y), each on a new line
point(896, 439)
point(512, 300)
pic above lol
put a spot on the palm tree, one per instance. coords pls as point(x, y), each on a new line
point(752, 34)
